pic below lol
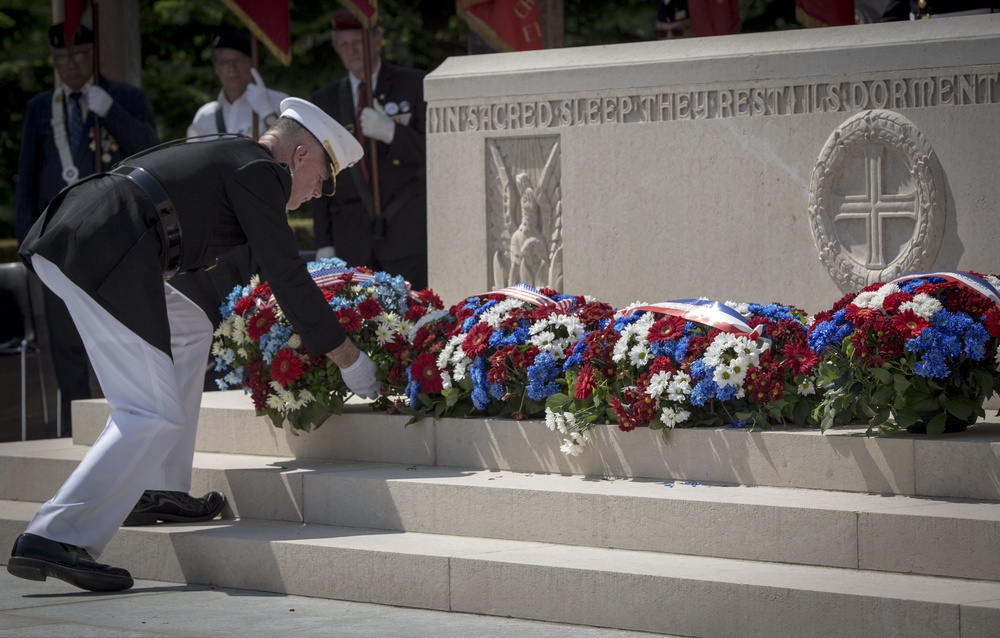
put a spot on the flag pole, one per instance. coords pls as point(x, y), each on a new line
point(366, 43)
point(97, 77)
point(253, 62)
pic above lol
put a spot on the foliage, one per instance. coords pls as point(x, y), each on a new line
point(916, 351)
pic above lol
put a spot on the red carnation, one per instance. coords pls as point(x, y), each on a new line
point(350, 319)
point(992, 321)
point(369, 308)
point(244, 304)
point(261, 323)
point(286, 367)
point(426, 373)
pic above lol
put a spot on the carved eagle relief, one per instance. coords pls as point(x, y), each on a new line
point(524, 210)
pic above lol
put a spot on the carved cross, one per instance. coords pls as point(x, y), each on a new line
point(874, 206)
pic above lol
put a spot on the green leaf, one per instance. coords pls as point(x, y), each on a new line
point(906, 416)
point(936, 425)
point(883, 375)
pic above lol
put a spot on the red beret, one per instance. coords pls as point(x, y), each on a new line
point(345, 21)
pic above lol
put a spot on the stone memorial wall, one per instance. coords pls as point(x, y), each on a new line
point(789, 166)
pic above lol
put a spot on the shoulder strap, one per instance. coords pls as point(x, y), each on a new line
point(220, 124)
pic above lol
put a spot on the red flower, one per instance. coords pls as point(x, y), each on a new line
point(260, 323)
point(428, 299)
point(286, 367)
point(799, 357)
point(414, 313)
point(895, 300)
point(992, 322)
point(477, 341)
point(666, 329)
point(500, 364)
point(262, 291)
point(369, 308)
point(350, 319)
point(426, 373)
point(585, 383)
point(244, 304)
point(909, 324)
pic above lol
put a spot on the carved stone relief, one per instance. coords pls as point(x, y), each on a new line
point(876, 200)
point(524, 211)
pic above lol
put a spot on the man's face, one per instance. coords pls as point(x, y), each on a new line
point(310, 168)
point(348, 45)
point(233, 69)
point(74, 64)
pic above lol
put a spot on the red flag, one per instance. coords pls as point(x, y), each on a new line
point(714, 17)
point(72, 10)
point(269, 21)
point(506, 25)
point(366, 11)
point(824, 13)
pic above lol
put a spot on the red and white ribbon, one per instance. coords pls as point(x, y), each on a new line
point(706, 312)
point(524, 292)
point(968, 280)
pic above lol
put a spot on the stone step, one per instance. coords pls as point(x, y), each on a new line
point(635, 590)
point(964, 465)
point(809, 527)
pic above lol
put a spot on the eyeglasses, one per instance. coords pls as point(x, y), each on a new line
point(78, 56)
point(231, 62)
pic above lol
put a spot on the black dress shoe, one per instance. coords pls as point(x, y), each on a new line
point(36, 558)
point(175, 507)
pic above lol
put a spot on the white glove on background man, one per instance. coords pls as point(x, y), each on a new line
point(360, 377)
point(98, 100)
point(377, 125)
point(257, 96)
point(326, 252)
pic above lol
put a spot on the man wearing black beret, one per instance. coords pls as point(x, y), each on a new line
point(58, 148)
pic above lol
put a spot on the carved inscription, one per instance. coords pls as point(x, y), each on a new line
point(524, 211)
point(876, 203)
point(667, 106)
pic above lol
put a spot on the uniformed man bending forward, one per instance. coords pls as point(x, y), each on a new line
point(106, 246)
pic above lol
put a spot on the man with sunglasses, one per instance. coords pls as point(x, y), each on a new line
point(108, 247)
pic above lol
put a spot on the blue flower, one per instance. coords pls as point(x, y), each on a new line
point(541, 375)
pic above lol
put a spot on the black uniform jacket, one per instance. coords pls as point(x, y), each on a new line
point(106, 236)
point(345, 220)
point(129, 123)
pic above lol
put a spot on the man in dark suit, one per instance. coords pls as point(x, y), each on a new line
point(348, 224)
point(106, 246)
point(58, 148)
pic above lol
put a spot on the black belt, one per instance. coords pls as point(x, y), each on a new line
point(165, 208)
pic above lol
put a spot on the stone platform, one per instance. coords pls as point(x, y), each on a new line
point(714, 532)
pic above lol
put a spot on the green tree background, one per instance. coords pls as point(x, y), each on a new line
point(176, 38)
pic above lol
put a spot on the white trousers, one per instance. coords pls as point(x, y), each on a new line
point(148, 442)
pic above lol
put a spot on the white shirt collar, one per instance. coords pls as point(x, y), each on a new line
point(355, 81)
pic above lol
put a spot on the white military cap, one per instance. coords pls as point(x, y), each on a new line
point(342, 147)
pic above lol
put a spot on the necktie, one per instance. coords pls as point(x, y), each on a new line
point(75, 125)
point(362, 101)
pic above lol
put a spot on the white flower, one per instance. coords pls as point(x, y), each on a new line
point(671, 417)
point(294, 341)
point(571, 447)
point(680, 387)
point(383, 332)
point(658, 384)
point(433, 315)
point(546, 342)
point(742, 308)
point(806, 387)
point(639, 355)
point(923, 305)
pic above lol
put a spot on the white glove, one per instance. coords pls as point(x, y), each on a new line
point(98, 100)
point(326, 252)
point(360, 377)
point(258, 97)
point(377, 125)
